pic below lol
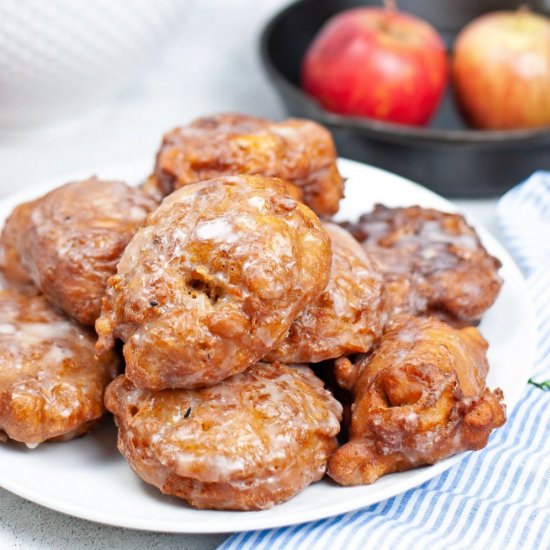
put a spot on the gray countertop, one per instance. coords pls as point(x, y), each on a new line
point(24, 525)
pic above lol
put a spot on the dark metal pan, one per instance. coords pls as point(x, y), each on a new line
point(446, 156)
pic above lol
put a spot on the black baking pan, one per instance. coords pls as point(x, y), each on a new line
point(445, 156)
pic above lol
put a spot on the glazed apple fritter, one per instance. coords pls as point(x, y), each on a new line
point(433, 262)
point(348, 316)
point(252, 441)
point(51, 386)
point(300, 151)
point(68, 242)
point(419, 398)
point(213, 282)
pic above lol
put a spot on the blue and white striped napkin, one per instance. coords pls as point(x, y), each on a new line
point(495, 498)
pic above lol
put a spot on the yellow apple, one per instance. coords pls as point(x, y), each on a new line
point(501, 70)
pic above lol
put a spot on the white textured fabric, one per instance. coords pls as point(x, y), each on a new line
point(61, 58)
point(496, 498)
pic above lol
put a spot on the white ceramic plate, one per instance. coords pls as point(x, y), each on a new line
point(87, 477)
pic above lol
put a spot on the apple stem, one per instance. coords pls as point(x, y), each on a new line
point(391, 8)
point(523, 12)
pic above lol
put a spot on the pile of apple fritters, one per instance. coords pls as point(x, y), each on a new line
point(263, 345)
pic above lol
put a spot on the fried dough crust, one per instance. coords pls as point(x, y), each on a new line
point(299, 151)
point(51, 386)
point(433, 262)
point(420, 397)
point(349, 315)
point(252, 441)
point(68, 242)
point(213, 282)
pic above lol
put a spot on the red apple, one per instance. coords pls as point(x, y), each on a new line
point(501, 70)
point(378, 63)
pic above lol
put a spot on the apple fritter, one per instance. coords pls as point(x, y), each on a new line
point(433, 262)
point(213, 281)
point(348, 316)
point(68, 242)
point(300, 151)
point(420, 397)
point(51, 386)
point(252, 441)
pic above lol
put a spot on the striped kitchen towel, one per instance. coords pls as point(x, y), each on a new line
point(496, 498)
